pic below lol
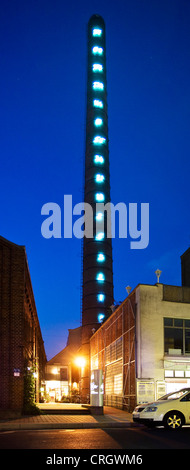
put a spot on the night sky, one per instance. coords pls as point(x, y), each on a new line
point(42, 135)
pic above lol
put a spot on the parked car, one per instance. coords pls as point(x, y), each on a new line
point(171, 411)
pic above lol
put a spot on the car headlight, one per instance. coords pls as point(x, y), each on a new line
point(151, 408)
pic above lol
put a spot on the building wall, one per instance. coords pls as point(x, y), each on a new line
point(129, 347)
point(62, 372)
point(113, 351)
point(21, 343)
point(185, 268)
point(57, 379)
point(154, 303)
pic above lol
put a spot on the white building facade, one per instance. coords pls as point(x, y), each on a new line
point(162, 340)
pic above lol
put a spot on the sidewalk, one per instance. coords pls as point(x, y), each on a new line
point(112, 418)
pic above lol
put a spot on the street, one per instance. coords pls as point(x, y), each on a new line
point(112, 438)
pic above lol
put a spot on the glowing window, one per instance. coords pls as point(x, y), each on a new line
point(99, 197)
point(99, 140)
point(97, 32)
point(100, 277)
point(98, 104)
point(99, 178)
point(97, 50)
point(169, 373)
point(97, 68)
point(99, 236)
point(100, 257)
point(101, 317)
point(99, 216)
point(98, 86)
point(98, 159)
point(101, 297)
point(98, 122)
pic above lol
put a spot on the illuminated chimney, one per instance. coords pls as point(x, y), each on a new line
point(97, 294)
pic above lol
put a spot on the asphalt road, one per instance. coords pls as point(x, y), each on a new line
point(129, 438)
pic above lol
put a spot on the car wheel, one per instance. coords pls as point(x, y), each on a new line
point(173, 420)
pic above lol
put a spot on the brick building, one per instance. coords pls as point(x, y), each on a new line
point(21, 343)
point(112, 350)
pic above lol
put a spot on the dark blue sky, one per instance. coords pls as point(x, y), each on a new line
point(42, 132)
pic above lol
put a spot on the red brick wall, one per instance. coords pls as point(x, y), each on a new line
point(18, 323)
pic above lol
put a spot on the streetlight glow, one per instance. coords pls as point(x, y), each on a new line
point(80, 361)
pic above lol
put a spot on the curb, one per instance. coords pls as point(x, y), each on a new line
point(43, 426)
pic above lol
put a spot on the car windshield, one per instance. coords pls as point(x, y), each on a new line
point(175, 395)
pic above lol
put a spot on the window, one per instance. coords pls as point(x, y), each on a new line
point(96, 32)
point(179, 373)
point(99, 140)
point(97, 50)
point(101, 297)
point(98, 122)
point(186, 397)
point(98, 104)
point(98, 86)
point(169, 373)
point(100, 257)
point(173, 340)
point(176, 336)
point(99, 197)
point(178, 322)
point(168, 321)
point(100, 277)
point(97, 68)
point(99, 178)
point(187, 341)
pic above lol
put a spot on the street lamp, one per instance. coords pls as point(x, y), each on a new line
point(80, 361)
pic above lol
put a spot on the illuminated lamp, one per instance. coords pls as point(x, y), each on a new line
point(98, 86)
point(101, 317)
point(97, 50)
point(100, 257)
point(97, 68)
point(99, 197)
point(98, 159)
point(98, 122)
point(100, 277)
point(99, 236)
point(98, 104)
point(96, 32)
point(99, 140)
point(99, 216)
point(101, 297)
point(99, 178)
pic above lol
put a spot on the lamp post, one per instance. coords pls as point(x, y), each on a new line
point(80, 361)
